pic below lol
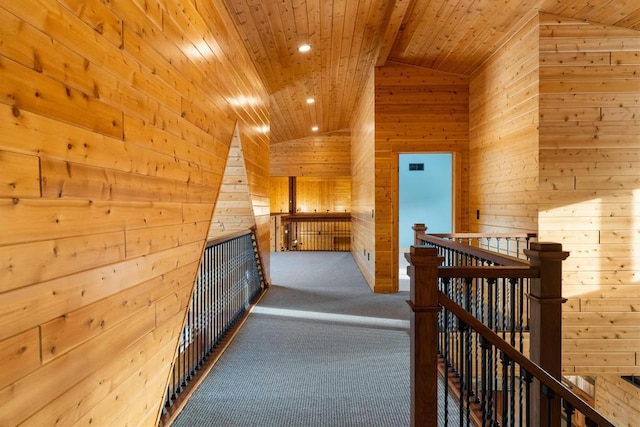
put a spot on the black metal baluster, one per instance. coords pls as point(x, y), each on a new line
point(513, 286)
point(189, 348)
point(447, 283)
point(548, 394)
point(493, 317)
point(528, 379)
point(506, 363)
point(484, 404)
point(462, 327)
point(479, 316)
point(569, 410)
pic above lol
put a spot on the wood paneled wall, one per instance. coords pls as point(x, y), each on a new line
point(322, 167)
point(618, 400)
point(417, 110)
point(574, 179)
point(322, 155)
point(234, 209)
point(363, 227)
point(323, 194)
point(503, 137)
point(115, 123)
point(590, 186)
point(313, 194)
point(279, 194)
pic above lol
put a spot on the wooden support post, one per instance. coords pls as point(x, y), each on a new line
point(423, 271)
point(418, 229)
point(545, 324)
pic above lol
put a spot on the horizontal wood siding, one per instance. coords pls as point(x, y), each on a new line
point(323, 155)
point(618, 400)
point(116, 120)
point(313, 194)
point(589, 189)
point(417, 110)
point(323, 195)
point(279, 194)
point(322, 167)
point(503, 109)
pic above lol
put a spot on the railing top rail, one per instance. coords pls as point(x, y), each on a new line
point(556, 386)
point(228, 236)
point(315, 215)
point(488, 272)
point(496, 258)
point(486, 235)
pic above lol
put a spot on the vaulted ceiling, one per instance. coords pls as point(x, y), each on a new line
point(348, 36)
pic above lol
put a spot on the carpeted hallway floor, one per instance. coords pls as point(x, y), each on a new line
point(319, 350)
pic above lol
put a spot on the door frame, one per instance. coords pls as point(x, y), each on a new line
point(456, 174)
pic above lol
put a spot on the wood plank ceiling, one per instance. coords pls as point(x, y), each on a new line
point(347, 36)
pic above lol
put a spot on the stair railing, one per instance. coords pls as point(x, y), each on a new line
point(470, 317)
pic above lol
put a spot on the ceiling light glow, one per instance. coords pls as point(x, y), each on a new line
point(310, 100)
point(314, 129)
point(304, 48)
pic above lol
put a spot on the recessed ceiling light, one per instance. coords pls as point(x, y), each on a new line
point(314, 128)
point(304, 48)
point(310, 100)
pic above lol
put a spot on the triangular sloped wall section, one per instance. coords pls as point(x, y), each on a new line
point(234, 208)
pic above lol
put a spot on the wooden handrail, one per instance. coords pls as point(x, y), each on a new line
point(486, 235)
point(487, 272)
point(312, 216)
point(556, 386)
point(228, 236)
point(496, 258)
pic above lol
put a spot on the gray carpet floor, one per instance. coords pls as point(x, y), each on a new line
point(320, 349)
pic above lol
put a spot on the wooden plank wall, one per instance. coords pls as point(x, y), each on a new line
point(279, 194)
point(115, 123)
point(618, 400)
point(503, 137)
point(322, 155)
point(417, 110)
point(234, 209)
point(576, 180)
point(313, 194)
point(322, 167)
point(363, 227)
point(255, 151)
point(323, 194)
point(590, 187)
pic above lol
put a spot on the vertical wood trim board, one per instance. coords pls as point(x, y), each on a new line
point(116, 121)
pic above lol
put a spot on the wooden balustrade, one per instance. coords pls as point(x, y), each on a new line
point(538, 376)
point(312, 232)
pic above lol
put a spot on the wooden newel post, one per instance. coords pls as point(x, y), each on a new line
point(423, 271)
point(545, 325)
point(418, 229)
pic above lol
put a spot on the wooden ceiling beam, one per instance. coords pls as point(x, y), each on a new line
point(393, 19)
